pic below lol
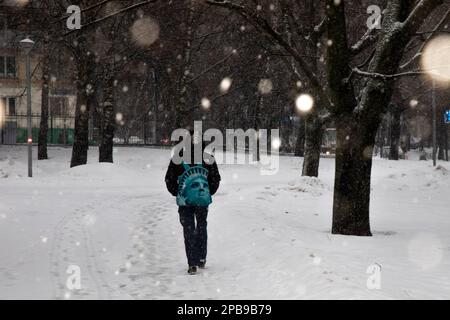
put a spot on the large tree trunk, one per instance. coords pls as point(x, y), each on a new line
point(395, 125)
point(86, 82)
point(108, 124)
point(184, 116)
point(352, 182)
point(43, 127)
point(300, 143)
point(356, 130)
point(313, 144)
point(81, 131)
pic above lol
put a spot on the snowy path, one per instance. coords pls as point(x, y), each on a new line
point(268, 235)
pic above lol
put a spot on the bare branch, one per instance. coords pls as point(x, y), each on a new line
point(366, 41)
point(84, 10)
point(264, 26)
point(321, 27)
point(429, 35)
point(419, 14)
point(388, 76)
point(137, 5)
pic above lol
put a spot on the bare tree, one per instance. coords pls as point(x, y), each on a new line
point(355, 99)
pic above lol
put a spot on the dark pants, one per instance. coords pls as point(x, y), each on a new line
point(195, 234)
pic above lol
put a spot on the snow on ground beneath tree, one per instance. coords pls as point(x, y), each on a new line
point(103, 172)
point(269, 236)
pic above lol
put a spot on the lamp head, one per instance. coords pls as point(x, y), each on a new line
point(26, 44)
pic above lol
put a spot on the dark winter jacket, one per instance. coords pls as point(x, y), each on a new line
point(175, 170)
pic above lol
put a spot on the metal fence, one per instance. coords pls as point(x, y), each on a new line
point(13, 129)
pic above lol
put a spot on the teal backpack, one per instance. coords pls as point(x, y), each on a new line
point(193, 187)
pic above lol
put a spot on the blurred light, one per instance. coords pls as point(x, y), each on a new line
point(304, 103)
point(413, 103)
point(265, 86)
point(206, 103)
point(21, 3)
point(435, 58)
point(145, 31)
point(2, 112)
point(276, 144)
point(225, 84)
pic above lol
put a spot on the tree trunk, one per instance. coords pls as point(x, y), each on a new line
point(313, 144)
point(300, 144)
point(86, 81)
point(108, 124)
point(352, 182)
point(184, 116)
point(395, 132)
point(81, 131)
point(43, 127)
point(442, 138)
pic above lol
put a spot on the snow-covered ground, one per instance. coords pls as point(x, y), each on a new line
point(269, 236)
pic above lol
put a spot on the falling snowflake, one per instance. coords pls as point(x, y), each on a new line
point(225, 84)
point(145, 31)
point(265, 86)
point(206, 103)
point(413, 103)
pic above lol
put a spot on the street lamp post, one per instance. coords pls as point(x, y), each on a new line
point(434, 122)
point(27, 45)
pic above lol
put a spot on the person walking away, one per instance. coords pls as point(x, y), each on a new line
point(193, 185)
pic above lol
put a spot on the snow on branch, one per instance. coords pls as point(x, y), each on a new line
point(428, 37)
point(376, 75)
point(366, 41)
point(419, 14)
point(321, 27)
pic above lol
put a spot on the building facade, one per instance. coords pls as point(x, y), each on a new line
point(13, 94)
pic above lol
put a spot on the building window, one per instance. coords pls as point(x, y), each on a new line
point(3, 29)
point(58, 106)
point(9, 106)
point(7, 66)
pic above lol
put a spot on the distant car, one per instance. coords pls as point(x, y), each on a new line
point(135, 140)
point(118, 140)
